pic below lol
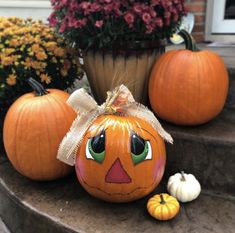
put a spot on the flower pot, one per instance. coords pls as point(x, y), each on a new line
point(128, 64)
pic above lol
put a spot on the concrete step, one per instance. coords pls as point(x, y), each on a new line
point(64, 207)
point(230, 102)
point(207, 151)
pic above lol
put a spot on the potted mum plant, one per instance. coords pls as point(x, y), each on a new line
point(120, 39)
point(32, 49)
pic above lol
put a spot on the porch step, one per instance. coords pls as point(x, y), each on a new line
point(64, 207)
point(207, 151)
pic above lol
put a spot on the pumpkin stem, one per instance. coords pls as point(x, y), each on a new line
point(37, 87)
point(183, 176)
point(190, 43)
point(162, 200)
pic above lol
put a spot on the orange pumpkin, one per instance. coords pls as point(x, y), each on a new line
point(163, 206)
point(188, 87)
point(33, 128)
point(121, 158)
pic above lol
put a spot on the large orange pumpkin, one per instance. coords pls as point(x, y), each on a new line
point(121, 158)
point(33, 128)
point(188, 87)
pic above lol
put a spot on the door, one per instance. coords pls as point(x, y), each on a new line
point(223, 19)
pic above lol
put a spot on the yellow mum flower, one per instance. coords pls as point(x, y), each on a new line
point(49, 37)
point(8, 51)
point(28, 62)
point(51, 46)
point(41, 56)
point(36, 48)
point(60, 52)
point(7, 24)
point(11, 80)
point(38, 65)
point(28, 39)
point(14, 43)
point(6, 60)
point(37, 39)
point(45, 78)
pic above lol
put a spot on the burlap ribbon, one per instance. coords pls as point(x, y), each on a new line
point(119, 101)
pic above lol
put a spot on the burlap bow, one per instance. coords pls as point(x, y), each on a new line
point(120, 101)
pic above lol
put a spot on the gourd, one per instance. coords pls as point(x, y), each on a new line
point(185, 187)
point(190, 86)
point(163, 206)
point(33, 128)
point(121, 158)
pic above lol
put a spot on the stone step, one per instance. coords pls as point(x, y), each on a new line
point(64, 207)
point(230, 102)
point(207, 151)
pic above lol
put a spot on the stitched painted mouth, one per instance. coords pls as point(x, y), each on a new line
point(119, 194)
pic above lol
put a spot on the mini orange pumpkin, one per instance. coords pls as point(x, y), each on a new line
point(163, 206)
point(33, 128)
point(188, 87)
point(121, 158)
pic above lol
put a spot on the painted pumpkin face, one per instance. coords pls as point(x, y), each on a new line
point(121, 159)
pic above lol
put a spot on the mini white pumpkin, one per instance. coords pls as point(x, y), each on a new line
point(184, 187)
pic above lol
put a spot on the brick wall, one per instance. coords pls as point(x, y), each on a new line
point(198, 8)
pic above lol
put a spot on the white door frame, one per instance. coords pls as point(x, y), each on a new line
point(218, 29)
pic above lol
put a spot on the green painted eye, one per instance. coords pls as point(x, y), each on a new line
point(95, 148)
point(140, 149)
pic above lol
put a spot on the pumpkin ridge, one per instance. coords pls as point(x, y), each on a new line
point(17, 160)
point(40, 160)
point(61, 106)
point(29, 113)
point(156, 210)
point(168, 208)
point(199, 78)
point(213, 81)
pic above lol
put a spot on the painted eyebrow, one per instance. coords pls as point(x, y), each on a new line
point(147, 132)
point(97, 132)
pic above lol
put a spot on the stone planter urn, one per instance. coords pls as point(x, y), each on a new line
point(129, 64)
